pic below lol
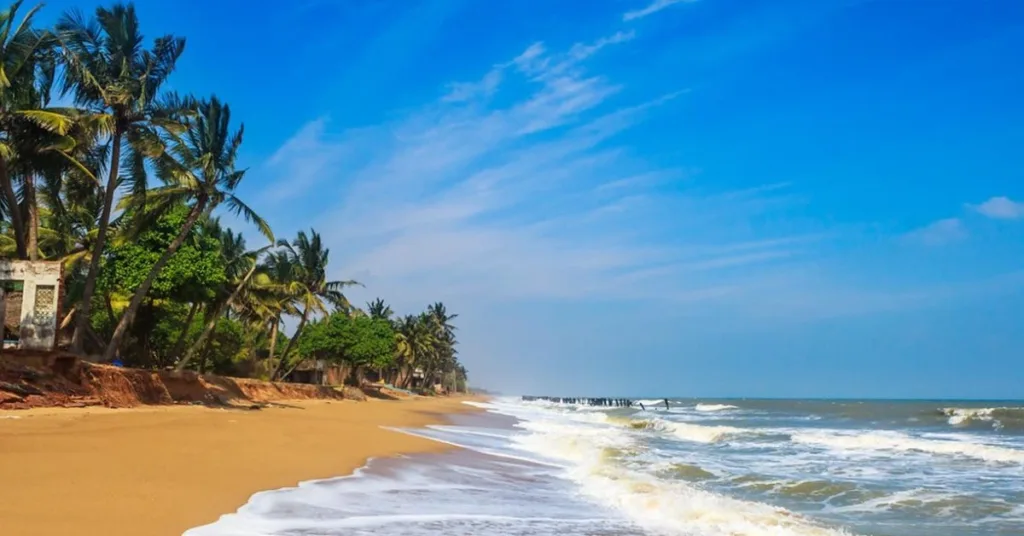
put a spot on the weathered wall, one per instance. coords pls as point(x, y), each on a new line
point(40, 304)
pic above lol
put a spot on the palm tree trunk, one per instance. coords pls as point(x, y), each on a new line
point(291, 342)
point(179, 344)
point(97, 248)
point(212, 321)
point(32, 240)
point(140, 293)
point(110, 310)
point(206, 355)
point(12, 208)
point(273, 337)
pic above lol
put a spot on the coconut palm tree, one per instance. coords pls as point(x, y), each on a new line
point(415, 341)
point(28, 130)
point(378, 309)
point(198, 170)
point(304, 261)
point(112, 76)
point(241, 266)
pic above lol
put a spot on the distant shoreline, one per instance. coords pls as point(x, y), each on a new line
point(161, 470)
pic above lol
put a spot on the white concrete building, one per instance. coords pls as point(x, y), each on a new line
point(30, 297)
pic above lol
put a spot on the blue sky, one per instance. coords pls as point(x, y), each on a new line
point(651, 197)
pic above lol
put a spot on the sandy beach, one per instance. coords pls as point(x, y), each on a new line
point(162, 470)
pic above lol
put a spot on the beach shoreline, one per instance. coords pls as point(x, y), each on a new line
point(161, 470)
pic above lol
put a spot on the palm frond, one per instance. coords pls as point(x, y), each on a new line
point(239, 208)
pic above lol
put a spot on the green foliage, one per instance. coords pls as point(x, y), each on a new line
point(123, 137)
point(226, 350)
point(353, 340)
point(194, 273)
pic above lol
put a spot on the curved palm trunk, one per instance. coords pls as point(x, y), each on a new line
point(179, 344)
point(288, 347)
point(82, 322)
point(140, 293)
point(206, 355)
point(12, 208)
point(211, 324)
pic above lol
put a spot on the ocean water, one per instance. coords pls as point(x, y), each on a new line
point(698, 468)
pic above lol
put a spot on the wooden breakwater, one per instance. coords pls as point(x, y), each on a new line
point(605, 402)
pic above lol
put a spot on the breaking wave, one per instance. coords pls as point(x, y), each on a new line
point(593, 456)
point(899, 442)
point(686, 431)
point(1000, 418)
point(715, 407)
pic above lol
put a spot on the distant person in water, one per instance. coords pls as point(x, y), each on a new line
point(666, 404)
point(642, 406)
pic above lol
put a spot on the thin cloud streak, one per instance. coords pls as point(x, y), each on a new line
point(652, 8)
point(939, 233)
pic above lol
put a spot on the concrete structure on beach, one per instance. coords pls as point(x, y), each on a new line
point(30, 298)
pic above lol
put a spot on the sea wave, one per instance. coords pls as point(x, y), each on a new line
point(715, 407)
point(686, 431)
point(999, 417)
point(900, 442)
point(655, 503)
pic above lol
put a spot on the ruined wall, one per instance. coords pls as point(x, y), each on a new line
point(40, 305)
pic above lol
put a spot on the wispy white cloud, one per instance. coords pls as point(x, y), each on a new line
point(493, 193)
point(1001, 208)
point(652, 8)
point(529, 200)
point(304, 160)
point(939, 232)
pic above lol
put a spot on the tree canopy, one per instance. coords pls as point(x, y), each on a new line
point(125, 186)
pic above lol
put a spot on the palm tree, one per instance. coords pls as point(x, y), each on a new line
point(112, 76)
point(441, 358)
point(202, 173)
point(304, 260)
point(28, 131)
point(414, 340)
point(241, 267)
point(378, 309)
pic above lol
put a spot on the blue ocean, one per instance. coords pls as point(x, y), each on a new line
point(695, 468)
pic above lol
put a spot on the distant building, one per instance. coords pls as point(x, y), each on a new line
point(30, 298)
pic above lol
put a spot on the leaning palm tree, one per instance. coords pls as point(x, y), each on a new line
point(305, 261)
point(111, 75)
point(241, 265)
point(198, 170)
point(269, 298)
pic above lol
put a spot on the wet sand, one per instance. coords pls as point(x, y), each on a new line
point(162, 470)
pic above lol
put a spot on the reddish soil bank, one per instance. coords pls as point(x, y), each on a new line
point(57, 379)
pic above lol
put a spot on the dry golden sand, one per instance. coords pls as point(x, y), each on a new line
point(161, 470)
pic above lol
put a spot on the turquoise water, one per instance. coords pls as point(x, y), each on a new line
point(699, 468)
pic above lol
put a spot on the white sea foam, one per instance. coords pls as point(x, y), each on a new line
point(688, 431)
point(900, 442)
point(965, 416)
point(650, 403)
point(715, 407)
point(702, 433)
point(654, 503)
